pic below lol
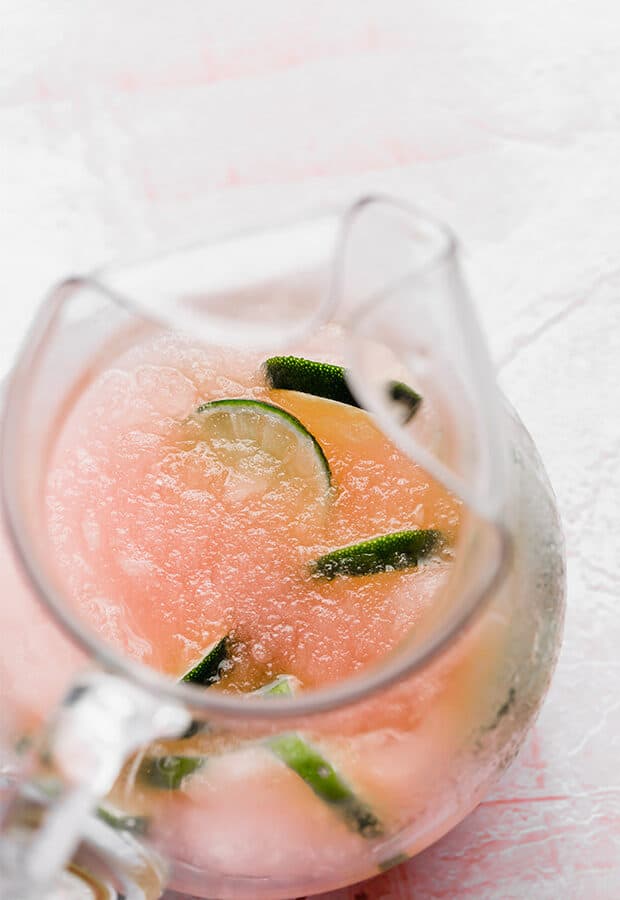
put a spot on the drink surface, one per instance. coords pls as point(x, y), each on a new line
point(166, 541)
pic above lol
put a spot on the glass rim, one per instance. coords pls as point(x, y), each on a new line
point(397, 666)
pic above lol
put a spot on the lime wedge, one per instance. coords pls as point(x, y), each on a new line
point(282, 686)
point(207, 671)
point(399, 550)
point(504, 709)
point(292, 373)
point(311, 766)
point(408, 398)
point(168, 772)
point(204, 674)
point(264, 445)
point(392, 862)
point(121, 821)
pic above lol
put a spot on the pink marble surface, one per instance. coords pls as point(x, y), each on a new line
point(126, 126)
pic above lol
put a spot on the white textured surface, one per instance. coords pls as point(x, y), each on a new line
point(126, 126)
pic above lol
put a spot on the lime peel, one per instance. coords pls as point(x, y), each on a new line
point(293, 373)
point(168, 772)
point(207, 671)
point(312, 767)
point(399, 550)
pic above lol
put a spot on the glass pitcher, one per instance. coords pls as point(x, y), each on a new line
point(283, 573)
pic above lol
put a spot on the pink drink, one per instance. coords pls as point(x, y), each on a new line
point(166, 548)
point(163, 548)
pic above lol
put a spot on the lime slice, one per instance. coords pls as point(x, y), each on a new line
point(264, 445)
point(204, 674)
point(207, 671)
point(311, 766)
point(408, 399)
point(504, 709)
point(399, 550)
point(121, 821)
point(168, 772)
point(392, 862)
point(282, 686)
point(292, 373)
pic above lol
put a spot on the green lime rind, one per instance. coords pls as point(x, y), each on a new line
point(392, 862)
point(504, 709)
point(207, 671)
point(167, 773)
point(293, 373)
point(409, 399)
point(282, 686)
point(204, 674)
point(276, 412)
point(399, 550)
point(122, 821)
point(312, 767)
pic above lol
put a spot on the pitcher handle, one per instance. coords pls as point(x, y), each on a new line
point(102, 721)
